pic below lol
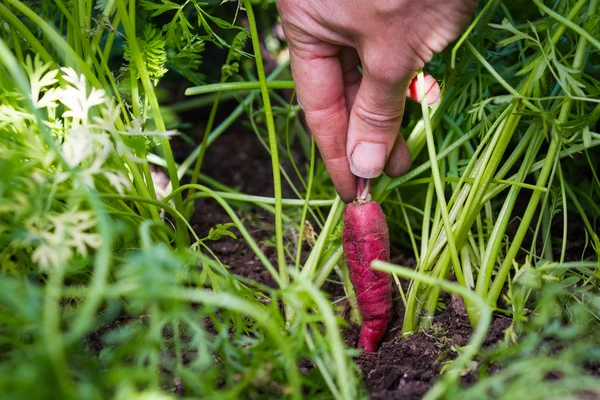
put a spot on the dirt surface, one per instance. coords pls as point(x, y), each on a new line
point(406, 369)
point(235, 253)
point(238, 160)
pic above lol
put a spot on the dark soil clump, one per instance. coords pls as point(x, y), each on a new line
point(406, 369)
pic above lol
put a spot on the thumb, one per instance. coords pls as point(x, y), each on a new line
point(374, 123)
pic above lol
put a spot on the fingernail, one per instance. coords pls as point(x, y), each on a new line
point(368, 159)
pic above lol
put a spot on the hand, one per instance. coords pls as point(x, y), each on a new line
point(356, 119)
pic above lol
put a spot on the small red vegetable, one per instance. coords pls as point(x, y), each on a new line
point(365, 238)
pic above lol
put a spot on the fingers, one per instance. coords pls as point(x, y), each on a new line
point(400, 159)
point(352, 77)
point(320, 88)
point(375, 120)
point(367, 141)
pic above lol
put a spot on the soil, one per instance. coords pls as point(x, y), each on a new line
point(401, 369)
point(406, 369)
point(248, 168)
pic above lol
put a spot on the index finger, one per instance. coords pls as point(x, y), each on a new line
point(320, 88)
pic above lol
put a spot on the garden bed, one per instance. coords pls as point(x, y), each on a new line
point(233, 284)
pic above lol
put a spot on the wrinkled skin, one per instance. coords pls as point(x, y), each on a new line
point(356, 119)
point(365, 237)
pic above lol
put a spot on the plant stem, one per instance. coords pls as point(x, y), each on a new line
point(335, 214)
point(496, 237)
point(53, 339)
point(237, 86)
point(311, 171)
point(20, 27)
point(239, 110)
point(165, 147)
point(272, 143)
point(435, 172)
point(484, 318)
point(552, 153)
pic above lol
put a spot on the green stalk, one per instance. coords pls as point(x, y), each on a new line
point(415, 142)
point(426, 166)
point(272, 143)
point(501, 80)
point(58, 41)
point(110, 38)
point(574, 149)
point(437, 183)
point(484, 171)
point(78, 42)
point(482, 310)
point(201, 102)
point(247, 198)
point(570, 24)
point(468, 31)
point(584, 217)
point(282, 170)
point(553, 151)
point(17, 43)
point(335, 214)
point(204, 144)
point(543, 223)
point(239, 110)
point(311, 171)
point(237, 86)
point(328, 265)
point(157, 203)
point(565, 215)
point(52, 336)
point(19, 26)
point(344, 377)
point(495, 240)
point(165, 147)
point(291, 157)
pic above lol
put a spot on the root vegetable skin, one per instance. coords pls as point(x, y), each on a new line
point(365, 238)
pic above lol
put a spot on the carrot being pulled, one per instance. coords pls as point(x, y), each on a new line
point(365, 238)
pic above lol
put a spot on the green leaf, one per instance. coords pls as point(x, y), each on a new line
point(529, 278)
point(221, 230)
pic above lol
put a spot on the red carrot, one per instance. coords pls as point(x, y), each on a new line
point(365, 238)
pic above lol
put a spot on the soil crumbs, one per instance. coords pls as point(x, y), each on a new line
point(406, 369)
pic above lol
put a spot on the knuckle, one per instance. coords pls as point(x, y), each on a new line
point(421, 51)
point(377, 67)
point(283, 6)
point(385, 7)
point(324, 118)
point(381, 120)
